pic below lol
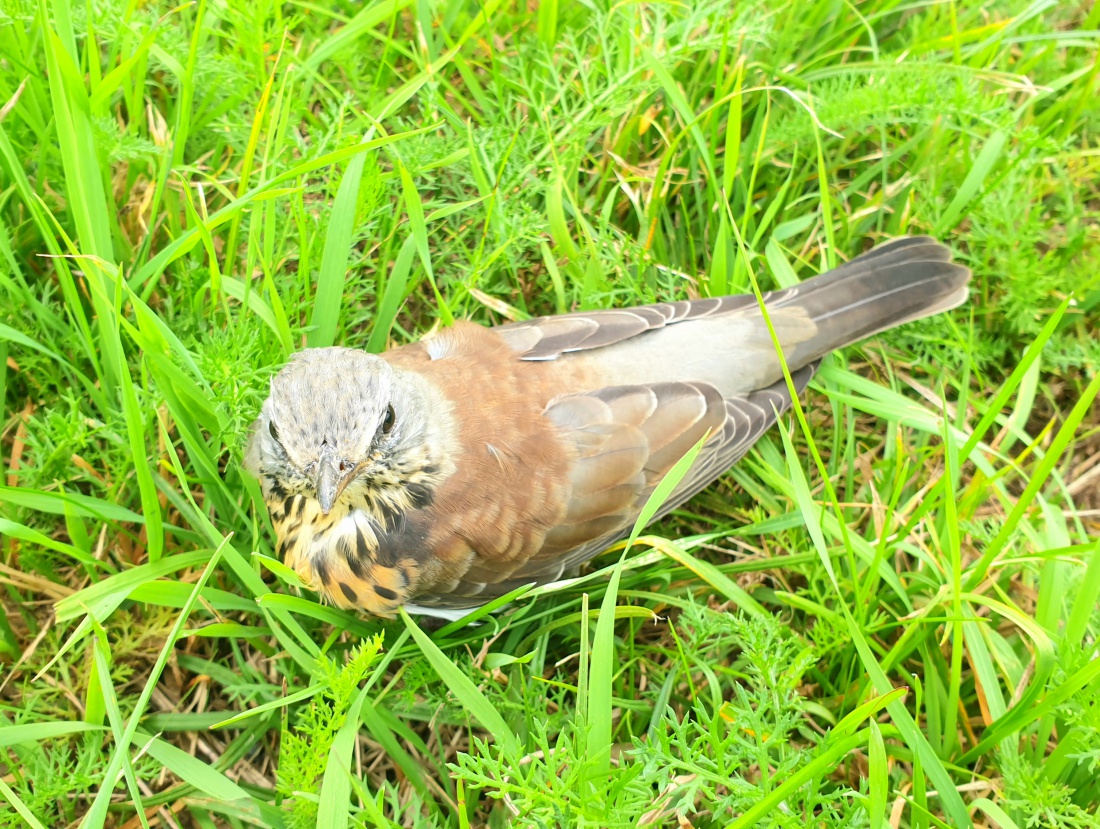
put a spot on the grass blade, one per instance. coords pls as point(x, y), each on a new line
point(598, 715)
point(419, 230)
point(334, 260)
point(987, 159)
point(1039, 477)
point(393, 297)
point(463, 688)
point(334, 809)
point(96, 815)
point(19, 806)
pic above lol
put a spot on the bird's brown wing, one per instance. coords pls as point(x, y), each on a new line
point(547, 338)
point(627, 438)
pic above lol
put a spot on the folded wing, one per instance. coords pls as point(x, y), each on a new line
point(627, 438)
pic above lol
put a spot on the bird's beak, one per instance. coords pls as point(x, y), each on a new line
point(330, 481)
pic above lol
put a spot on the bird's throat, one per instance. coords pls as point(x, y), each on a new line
point(364, 553)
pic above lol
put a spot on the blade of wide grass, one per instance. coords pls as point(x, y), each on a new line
point(463, 688)
point(1084, 603)
point(852, 545)
point(570, 620)
point(987, 158)
point(76, 141)
point(392, 297)
point(13, 529)
point(195, 772)
point(197, 222)
point(664, 489)
point(334, 806)
point(985, 679)
point(365, 20)
point(548, 22)
point(14, 735)
point(101, 700)
point(867, 710)
point(11, 335)
point(96, 815)
point(481, 612)
point(186, 76)
point(419, 230)
point(250, 152)
point(112, 591)
point(555, 213)
point(731, 158)
point(58, 503)
point(598, 709)
point(1020, 716)
point(878, 774)
point(715, 578)
point(1031, 355)
point(687, 116)
point(241, 292)
point(380, 723)
point(951, 542)
point(45, 225)
point(995, 812)
point(104, 89)
point(1044, 654)
point(825, 200)
point(134, 416)
point(324, 613)
point(325, 317)
point(282, 702)
point(87, 199)
point(601, 670)
point(819, 767)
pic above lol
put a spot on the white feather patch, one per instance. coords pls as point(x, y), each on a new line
point(451, 614)
point(439, 347)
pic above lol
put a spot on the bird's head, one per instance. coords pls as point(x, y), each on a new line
point(336, 419)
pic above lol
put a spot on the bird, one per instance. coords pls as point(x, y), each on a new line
point(453, 470)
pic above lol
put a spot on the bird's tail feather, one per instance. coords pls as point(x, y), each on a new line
point(898, 282)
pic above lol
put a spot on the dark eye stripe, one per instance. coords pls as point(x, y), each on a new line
point(272, 430)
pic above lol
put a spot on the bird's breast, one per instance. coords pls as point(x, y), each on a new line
point(361, 554)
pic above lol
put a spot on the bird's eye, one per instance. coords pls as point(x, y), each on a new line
point(343, 466)
point(272, 430)
point(387, 420)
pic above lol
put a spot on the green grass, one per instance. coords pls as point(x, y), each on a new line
point(893, 623)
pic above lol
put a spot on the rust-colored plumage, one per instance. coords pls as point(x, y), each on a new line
point(455, 469)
